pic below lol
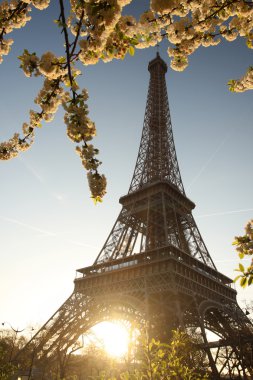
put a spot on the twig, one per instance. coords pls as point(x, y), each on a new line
point(19, 9)
point(78, 33)
point(64, 28)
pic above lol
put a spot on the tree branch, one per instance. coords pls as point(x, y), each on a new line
point(66, 36)
point(19, 9)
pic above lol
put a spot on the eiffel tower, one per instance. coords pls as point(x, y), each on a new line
point(154, 265)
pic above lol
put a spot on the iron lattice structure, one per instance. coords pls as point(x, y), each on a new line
point(154, 265)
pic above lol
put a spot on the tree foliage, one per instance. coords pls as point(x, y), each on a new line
point(244, 247)
point(179, 359)
point(7, 368)
point(10, 344)
point(96, 30)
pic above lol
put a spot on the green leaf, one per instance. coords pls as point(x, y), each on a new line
point(97, 199)
point(243, 282)
point(134, 41)
point(250, 280)
point(237, 277)
point(241, 267)
point(231, 85)
point(241, 255)
point(131, 50)
point(249, 44)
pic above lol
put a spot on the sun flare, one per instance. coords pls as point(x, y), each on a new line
point(114, 337)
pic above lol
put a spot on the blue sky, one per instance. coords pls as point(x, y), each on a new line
point(50, 227)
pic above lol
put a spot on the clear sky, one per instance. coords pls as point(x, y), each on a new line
point(49, 227)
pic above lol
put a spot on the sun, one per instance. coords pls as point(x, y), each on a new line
point(114, 337)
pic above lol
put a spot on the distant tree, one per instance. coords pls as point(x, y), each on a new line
point(10, 344)
point(244, 247)
point(72, 364)
point(151, 360)
point(7, 368)
point(101, 32)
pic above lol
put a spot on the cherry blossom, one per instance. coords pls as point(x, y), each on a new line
point(96, 30)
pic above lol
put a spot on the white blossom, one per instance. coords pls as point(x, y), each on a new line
point(50, 66)
point(101, 32)
point(41, 4)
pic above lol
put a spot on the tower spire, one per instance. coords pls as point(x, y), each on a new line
point(157, 160)
point(156, 212)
